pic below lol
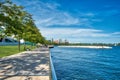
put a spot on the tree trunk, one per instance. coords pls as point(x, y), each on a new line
point(24, 45)
point(19, 43)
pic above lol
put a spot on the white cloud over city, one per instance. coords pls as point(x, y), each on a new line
point(54, 22)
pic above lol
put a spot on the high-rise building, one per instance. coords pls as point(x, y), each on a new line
point(60, 41)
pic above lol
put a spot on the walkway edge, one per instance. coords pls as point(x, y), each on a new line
point(53, 73)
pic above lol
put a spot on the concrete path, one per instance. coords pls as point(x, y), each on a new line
point(29, 65)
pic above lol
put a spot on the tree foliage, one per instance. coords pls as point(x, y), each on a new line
point(19, 22)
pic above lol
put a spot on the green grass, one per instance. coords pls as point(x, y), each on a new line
point(10, 50)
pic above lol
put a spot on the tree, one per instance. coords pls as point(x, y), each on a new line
point(19, 23)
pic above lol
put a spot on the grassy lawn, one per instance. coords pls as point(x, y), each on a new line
point(10, 50)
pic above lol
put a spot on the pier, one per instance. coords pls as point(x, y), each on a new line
point(28, 65)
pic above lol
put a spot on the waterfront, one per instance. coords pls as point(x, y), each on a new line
point(28, 65)
point(86, 64)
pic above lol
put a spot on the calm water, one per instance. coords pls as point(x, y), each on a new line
point(86, 64)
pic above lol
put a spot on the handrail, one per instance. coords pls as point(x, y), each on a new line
point(54, 77)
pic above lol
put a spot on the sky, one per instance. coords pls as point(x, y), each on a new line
point(83, 21)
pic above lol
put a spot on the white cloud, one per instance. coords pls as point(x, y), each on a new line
point(116, 33)
point(96, 20)
point(68, 32)
point(58, 19)
point(89, 14)
point(49, 13)
point(80, 35)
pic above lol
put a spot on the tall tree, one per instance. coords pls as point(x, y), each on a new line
point(19, 23)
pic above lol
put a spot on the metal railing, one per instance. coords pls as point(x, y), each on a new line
point(54, 77)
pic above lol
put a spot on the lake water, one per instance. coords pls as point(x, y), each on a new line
point(86, 64)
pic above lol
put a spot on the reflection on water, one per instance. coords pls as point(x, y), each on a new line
point(86, 64)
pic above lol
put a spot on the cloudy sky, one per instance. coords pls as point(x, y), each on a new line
point(76, 20)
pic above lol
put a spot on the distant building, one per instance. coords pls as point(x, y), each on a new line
point(49, 41)
point(52, 40)
point(8, 41)
point(56, 41)
point(60, 41)
point(66, 42)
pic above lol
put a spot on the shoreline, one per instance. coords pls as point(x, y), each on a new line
point(97, 47)
point(37, 60)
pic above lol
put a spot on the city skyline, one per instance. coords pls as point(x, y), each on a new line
point(86, 21)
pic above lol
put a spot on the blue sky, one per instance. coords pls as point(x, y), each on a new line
point(86, 21)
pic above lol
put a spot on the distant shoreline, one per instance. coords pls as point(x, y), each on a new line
point(98, 47)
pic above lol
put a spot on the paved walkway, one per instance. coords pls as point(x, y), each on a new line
point(26, 65)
